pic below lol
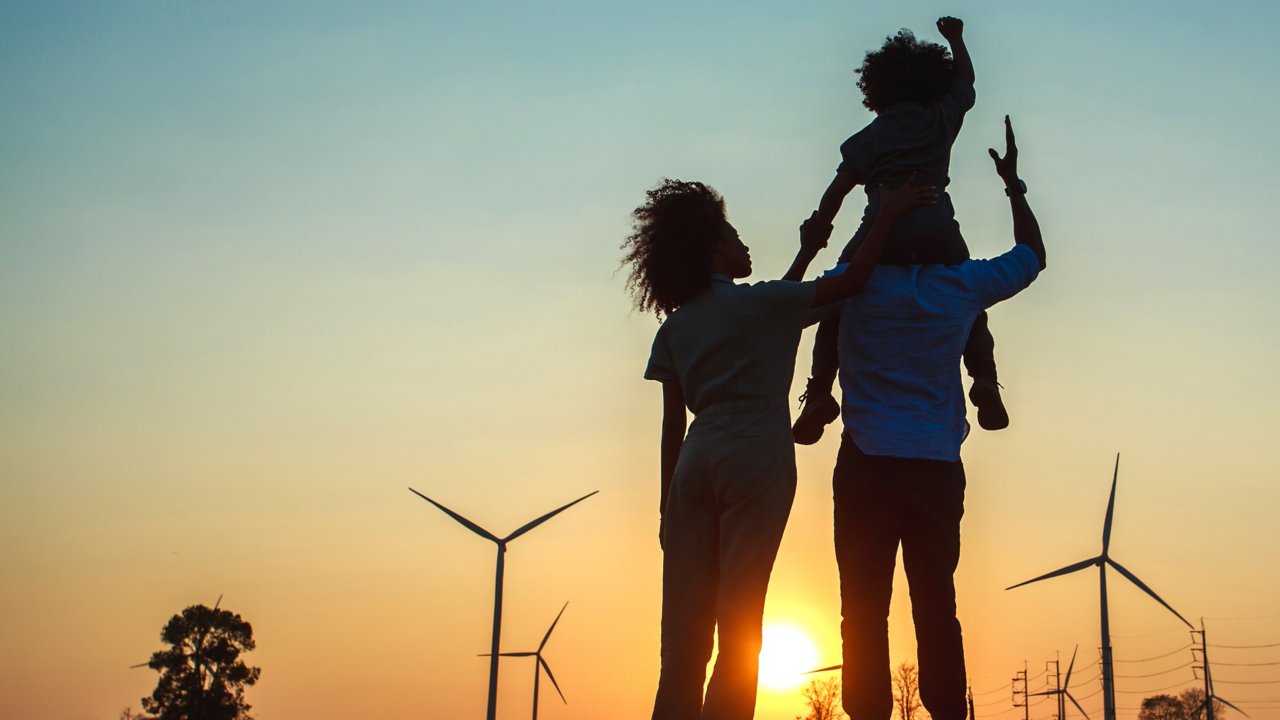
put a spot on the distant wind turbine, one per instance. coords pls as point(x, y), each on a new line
point(1064, 693)
point(540, 664)
point(198, 645)
point(497, 585)
point(1101, 562)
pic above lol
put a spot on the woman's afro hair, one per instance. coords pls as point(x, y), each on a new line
point(669, 249)
point(904, 69)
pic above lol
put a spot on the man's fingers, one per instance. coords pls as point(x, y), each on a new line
point(994, 155)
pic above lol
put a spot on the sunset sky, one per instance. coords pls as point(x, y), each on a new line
point(264, 266)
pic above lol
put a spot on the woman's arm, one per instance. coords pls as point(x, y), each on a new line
point(674, 423)
point(892, 204)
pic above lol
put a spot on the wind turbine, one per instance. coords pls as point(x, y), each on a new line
point(490, 714)
point(1101, 562)
point(540, 664)
point(1064, 693)
point(198, 644)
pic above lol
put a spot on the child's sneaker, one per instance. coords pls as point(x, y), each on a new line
point(985, 395)
point(819, 409)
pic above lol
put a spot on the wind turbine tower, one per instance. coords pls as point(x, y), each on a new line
point(1101, 561)
point(502, 543)
point(540, 664)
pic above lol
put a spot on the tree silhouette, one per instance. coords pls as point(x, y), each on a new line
point(823, 699)
point(201, 674)
point(1189, 705)
point(906, 692)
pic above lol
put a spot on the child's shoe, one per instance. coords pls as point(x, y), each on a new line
point(985, 395)
point(819, 410)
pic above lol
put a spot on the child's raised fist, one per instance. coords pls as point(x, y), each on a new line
point(950, 27)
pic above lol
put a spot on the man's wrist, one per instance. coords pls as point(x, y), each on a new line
point(1015, 187)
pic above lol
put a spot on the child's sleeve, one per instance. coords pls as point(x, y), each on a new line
point(957, 101)
point(661, 367)
point(855, 156)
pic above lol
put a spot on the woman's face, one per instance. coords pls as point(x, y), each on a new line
point(731, 256)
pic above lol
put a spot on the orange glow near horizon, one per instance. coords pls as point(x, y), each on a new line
point(787, 653)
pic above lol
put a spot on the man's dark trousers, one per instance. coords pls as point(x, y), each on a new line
point(881, 502)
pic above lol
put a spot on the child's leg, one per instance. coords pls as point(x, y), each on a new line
point(979, 350)
point(820, 406)
point(980, 361)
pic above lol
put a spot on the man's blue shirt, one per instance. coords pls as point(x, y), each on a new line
point(900, 345)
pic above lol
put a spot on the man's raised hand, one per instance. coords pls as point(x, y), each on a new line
point(1007, 166)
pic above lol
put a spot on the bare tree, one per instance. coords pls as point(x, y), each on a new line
point(906, 692)
point(823, 699)
point(1189, 705)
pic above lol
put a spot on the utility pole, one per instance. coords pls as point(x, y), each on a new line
point(1057, 683)
point(1021, 677)
point(1204, 660)
point(971, 713)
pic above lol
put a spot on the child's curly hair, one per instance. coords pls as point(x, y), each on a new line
point(904, 69)
point(670, 245)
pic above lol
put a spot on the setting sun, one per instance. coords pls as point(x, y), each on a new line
point(787, 653)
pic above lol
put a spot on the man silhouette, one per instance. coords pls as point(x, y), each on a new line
point(898, 478)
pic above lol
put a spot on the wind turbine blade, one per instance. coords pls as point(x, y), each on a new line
point(535, 523)
point(140, 665)
point(1061, 571)
point(1046, 692)
point(1071, 665)
point(1228, 704)
point(553, 627)
point(552, 678)
point(215, 605)
point(1134, 579)
point(1073, 702)
point(1111, 506)
point(465, 522)
point(825, 669)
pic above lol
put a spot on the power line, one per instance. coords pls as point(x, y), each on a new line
point(1156, 690)
point(1248, 682)
point(1245, 647)
point(1157, 657)
point(1092, 694)
point(1248, 664)
point(1162, 672)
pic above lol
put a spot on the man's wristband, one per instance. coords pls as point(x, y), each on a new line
point(1017, 188)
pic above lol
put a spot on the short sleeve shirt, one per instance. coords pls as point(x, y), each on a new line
point(909, 137)
point(900, 346)
point(733, 342)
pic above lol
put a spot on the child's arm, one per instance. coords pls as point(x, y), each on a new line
point(953, 30)
point(843, 183)
point(673, 427)
point(892, 204)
